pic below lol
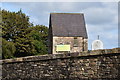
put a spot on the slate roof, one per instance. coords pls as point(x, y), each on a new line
point(68, 25)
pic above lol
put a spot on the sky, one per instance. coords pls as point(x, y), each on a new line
point(101, 18)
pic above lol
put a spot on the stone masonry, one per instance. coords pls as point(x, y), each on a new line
point(82, 43)
point(88, 65)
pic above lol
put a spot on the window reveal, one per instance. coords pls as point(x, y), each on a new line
point(75, 42)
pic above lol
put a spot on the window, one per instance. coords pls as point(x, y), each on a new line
point(75, 42)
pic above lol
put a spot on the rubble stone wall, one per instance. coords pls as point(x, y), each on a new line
point(87, 65)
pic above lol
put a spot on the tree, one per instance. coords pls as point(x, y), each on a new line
point(27, 39)
point(14, 27)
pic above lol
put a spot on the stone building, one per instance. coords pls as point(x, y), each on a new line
point(67, 33)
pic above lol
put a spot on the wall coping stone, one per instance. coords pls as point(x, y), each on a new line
point(63, 55)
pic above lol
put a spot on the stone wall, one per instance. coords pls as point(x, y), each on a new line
point(88, 65)
point(82, 43)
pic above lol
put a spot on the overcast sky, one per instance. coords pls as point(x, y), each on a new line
point(101, 17)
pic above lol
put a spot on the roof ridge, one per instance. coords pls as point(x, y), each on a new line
point(66, 13)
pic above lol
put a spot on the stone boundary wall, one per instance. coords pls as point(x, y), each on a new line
point(88, 65)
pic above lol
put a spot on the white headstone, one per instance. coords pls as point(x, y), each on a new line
point(97, 44)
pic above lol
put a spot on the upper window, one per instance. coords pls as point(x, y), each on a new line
point(75, 42)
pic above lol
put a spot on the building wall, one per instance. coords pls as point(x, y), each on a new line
point(91, 65)
point(50, 41)
point(82, 44)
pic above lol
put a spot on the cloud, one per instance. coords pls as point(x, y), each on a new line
point(99, 15)
point(59, 0)
point(38, 9)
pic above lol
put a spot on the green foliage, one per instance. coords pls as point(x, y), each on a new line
point(14, 25)
point(39, 47)
point(27, 39)
point(39, 35)
point(24, 47)
point(8, 48)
